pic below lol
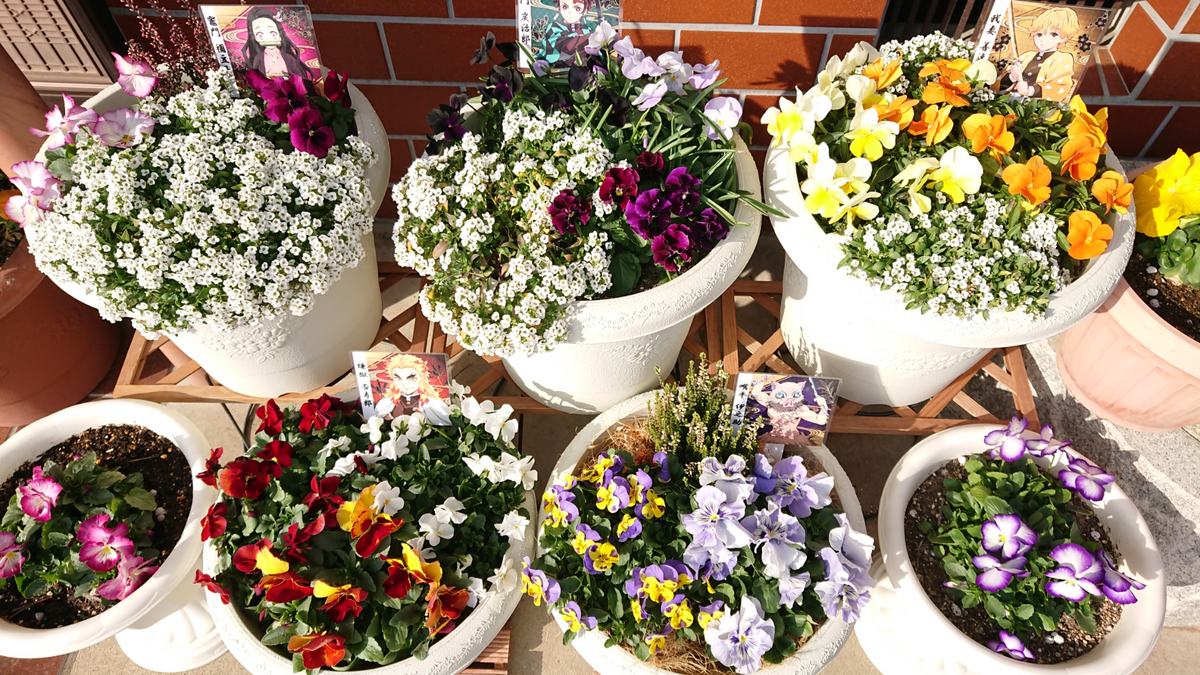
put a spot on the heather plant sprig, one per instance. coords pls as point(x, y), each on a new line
point(1011, 541)
point(79, 525)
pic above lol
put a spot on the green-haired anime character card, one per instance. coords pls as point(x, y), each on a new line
point(557, 31)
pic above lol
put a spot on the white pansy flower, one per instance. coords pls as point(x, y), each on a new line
point(436, 413)
point(374, 429)
point(435, 530)
point(387, 499)
point(346, 465)
point(518, 470)
point(481, 464)
point(513, 526)
point(417, 544)
point(505, 578)
point(450, 511)
point(678, 72)
point(830, 87)
point(476, 592)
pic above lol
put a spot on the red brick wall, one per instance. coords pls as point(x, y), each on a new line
point(409, 55)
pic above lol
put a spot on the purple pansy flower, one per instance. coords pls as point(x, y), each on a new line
point(1008, 536)
point(283, 96)
point(657, 583)
point(846, 589)
point(670, 248)
point(619, 186)
point(683, 189)
point(628, 528)
point(613, 493)
point(707, 230)
point(764, 481)
point(1077, 575)
point(574, 618)
point(853, 547)
point(740, 639)
point(61, 125)
point(1012, 646)
point(723, 113)
point(503, 84)
point(1117, 587)
point(309, 133)
point(650, 166)
point(998, 575)
point(715, 522)
point(1007, 443)
point(562, 499)
point(1045, 445)
point(703, 76)
point(792, 586)
point(103, 548)
point(11, 557)
point(132, 572)
point(538, 586)
point(798, 491)
point(39, 495)
point(727, 477)
point(780, 539)
point(640, 484)
point(1085, 478)
point(710, 563)
point(568, 213)
point(649, 214)
point(660, 460)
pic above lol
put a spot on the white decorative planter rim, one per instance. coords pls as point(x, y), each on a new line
point(818, 254)
point(1129, 643)
point(820, 648)
point(34, 440)
point(447, 656)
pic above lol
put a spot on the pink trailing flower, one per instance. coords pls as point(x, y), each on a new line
point(39, 189)
point(123, 128)
point(131, 574)
point(61, 125)
point(137, 78)
point(11, 557)
point(309, 133)
point(103, 548)
point(39, 495)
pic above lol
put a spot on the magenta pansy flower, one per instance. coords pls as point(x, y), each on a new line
point(11, 557)
point(123, 128)
point(1077, 576)
point(137, 78)
point(39, 189)
point(1007, 535)
point(131, 574)
point(1011, 645)
point(103, 548)
point(61, 125)
point(1007, 444)
point(39, 495)
point(1085, 478)
point(309, 133)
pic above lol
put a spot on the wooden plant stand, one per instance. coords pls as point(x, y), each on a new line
point(494, 659)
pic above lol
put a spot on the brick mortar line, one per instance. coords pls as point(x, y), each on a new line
point(1158, 132)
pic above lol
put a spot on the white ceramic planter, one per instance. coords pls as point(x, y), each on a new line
point(159, 597)
point(816, 653)
point(613, 347)
point(904, 633)
point(838, 326)
point(447, 656)
point(290, 353)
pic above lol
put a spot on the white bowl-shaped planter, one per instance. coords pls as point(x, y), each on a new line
point(155, 596)
point(821, 647)
point(902, 631)
point(615, 348)
point(448, 656)
point(289, 353)
point(838, 326)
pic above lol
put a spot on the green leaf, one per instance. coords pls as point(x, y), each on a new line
point(994, 607)
point(108, 479)
point(139, 498)
point(277, 636)
point(625, 270)
point(1086, 621)
point(642, 651)
point(993, 506)
point(980, 493)
point(1024, 612)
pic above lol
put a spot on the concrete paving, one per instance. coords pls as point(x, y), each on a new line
point(1161, 472)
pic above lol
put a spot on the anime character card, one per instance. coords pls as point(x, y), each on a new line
point(557, 31)
point(275, 40)
point(794, 409)
point(1041, 49)
point(392, 384)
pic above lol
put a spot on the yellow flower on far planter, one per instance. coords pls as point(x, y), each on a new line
point(958, 173)
point(1111, 190)
point(1166, 193)
point(822, 187)
point(868, 136)
point(1087, 235)
point(783, 122)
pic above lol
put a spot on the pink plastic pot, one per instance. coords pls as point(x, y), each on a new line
point(1130, 367)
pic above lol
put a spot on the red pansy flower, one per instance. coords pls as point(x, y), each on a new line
point(212, 586)
point(212, 465)
point(317, 414)
point(324, 494)
point(212, 525)
point(283, 587)
point(272, 418)
point(244, 478)
point(276, 457)
point(446, 604)
point(318, 649)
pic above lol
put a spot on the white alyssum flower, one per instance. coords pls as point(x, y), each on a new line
point(513, 526)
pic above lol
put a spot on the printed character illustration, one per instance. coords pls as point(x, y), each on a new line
point(407, 382)
point(568, 31)
point(1046, 72)
point(269, 49)
point(794, 409)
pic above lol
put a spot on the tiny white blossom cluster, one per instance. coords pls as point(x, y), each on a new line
point(476, 224)
point(957, 262)
point(209, 222)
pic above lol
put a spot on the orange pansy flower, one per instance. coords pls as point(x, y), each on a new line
point(988, 133)
point(445, 604)
point(1079, 157)
point(951, 69)
point(944, 90)
point(1030, 180)
point(1111, 190)
point(899, 110)
point(1084, 123)
point(1087, 235)
point(884, 75)
point(934, 124)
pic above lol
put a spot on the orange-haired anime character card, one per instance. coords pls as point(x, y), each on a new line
point(392, 384)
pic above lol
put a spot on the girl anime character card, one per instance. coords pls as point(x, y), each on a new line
point(275, 40)
point(794, 409)
point(392, 384)
point(557, 31)
point(1040, 49)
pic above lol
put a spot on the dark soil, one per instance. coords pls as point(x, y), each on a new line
point(975, 623)
point(10, 237)
point(1178, 304)
point(125, 448)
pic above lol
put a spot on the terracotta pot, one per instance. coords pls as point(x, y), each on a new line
point(54, 350)
point(1130, 367)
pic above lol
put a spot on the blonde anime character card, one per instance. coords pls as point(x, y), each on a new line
point(1040, 50)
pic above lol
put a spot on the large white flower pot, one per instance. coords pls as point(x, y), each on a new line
point(617, 348)
point(904, 633)
point(448, 656)
point(810, 659)
point(157, 602)
point(289, 353)
point(838, 326)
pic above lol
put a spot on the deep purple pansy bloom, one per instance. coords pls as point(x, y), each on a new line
point(336, 89)
point(683, 189)
point(1085, 478)
point(764, 475)
point(1078, 574)
point(568, 213)
point(660, 460)
point(1012, 646)
point(1007, 536)
point(1118, 587)
point(1007, 444)
point(283, 96)
point(619, 186)
point(309, 133)
point(649, 214)
point(998, 574)
point(670, 248)
point(650, 166)
point(707, 230)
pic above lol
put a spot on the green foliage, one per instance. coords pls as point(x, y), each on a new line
point(1177, 254)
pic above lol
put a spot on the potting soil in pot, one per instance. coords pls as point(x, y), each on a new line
point(125, 448)
point(1177, 304)
point(926, 506)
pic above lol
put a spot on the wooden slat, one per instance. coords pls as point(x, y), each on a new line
point(847, 408)
point(692, 347)
point(765, 353)
point(157, 344)
point(455, 348)
point(973, 408)
point(904, 411)
point(943, 397)
point(712, 333)
point(747, 286)
point(768, 303)
point(396, 324)
point(438, 345)
point(1000, 375)
point(729, 333)
point(1022, 392)
point(908, 426)
point(420, 337)
point(173, 393)
point(389, 280)
point(392, 267)
point(135, 360)
point(497, 651)
point(492, 376)
point(176, 376)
